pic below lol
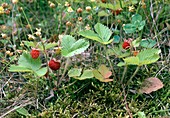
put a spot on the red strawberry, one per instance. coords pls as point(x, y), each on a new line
point(126, 45)
point(104, 1)
point(53, 64)
point(35, 53)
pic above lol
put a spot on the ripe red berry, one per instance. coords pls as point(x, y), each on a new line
point(53, 64)
point(126, 45)
point(104, 1)
point(35, 53)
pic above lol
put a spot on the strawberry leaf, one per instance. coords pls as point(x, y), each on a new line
point(103, 34)
point(74, 72)
point(14, 68)
point(87, 74)
point(71, 47)
point(100, 77)
point(25, 60)
point(104, 71)
point(41, 71)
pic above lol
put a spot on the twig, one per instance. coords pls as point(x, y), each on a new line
point(127, 107)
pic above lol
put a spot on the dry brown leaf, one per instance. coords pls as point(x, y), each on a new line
point(151, 84)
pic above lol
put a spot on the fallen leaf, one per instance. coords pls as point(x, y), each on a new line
point(151, 84)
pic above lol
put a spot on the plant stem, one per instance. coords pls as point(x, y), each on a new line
point(124, 72)
point(107, 56)
point(27, 21)
point(133, 75)
point(65, 69)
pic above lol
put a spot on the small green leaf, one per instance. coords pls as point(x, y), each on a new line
point(129, 28)
point(50, 45)
point(90, 35)
point(148, 43)
point(87, 74)
point(23, 111)
point(41, 71)
point(103, 32)
point(14, 68)
point(71, 47)
point(74, 72)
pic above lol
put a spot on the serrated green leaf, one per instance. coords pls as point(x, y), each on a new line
point(14, 68)
point(87, 74)
point(103, 32)
point(148, 43)
point(23, 111)
point(132, 60)
point(41, 71)
point(147, 53)
point(129, 28)
point(90, 35)
point(50, 45)
point(67, 42)
point(74, 72)
point(150, 59)
point(148, 56)
point(25, 60)
point(71, 47)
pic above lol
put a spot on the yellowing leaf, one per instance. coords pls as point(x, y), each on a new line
point(104, 71)
point(99, 76)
